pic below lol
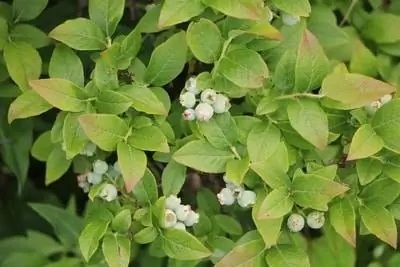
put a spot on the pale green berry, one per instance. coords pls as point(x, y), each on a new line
point(315, 219)
point(94, 178)
point(172, 202)
point(169, 218)
point(208, 96)
point(289, 19)
point(189, 114)
point(226, 197)
point(180, 226)
point(100, 166)
point(191, 85)
point(109, 192)
point(187, 100)
point(246, 199)
point(204, 112)
point(295, 222)
point(192, 218)
point(221, 104)
point(182, 212)
point(385, 99)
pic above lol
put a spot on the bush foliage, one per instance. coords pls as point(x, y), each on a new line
point(199, 133)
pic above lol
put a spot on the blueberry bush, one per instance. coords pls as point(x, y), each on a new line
point(223, 133)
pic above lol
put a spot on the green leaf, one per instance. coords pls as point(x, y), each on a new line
point(42, 147)
point(23, 63)
point(116, 250)
point(368, 170)
point(236, 169)
point(129, 48)
point(27, 105)
point(276, 204)
point(373, 193)
point(149, 22)
point(149, 138)
point(106, 69)
point(363, 61)
point(173, 177)
point(382, 28)
point(354, 90)
point(177, 11)
point(144, 99)
point(310, 121)
point(61, 93)
point(311, 191)
point(204, 40)
point(312, 65)
point(298, 8)
point(244, 67)
point(146, 191)
point(343, 219)
point(58, 125)
point(24, 10)
point(220, 131)
point(66, 225)
point(132, 163)
point(248, 252)
point(122, 221)
point(65, 64)
point(262, 142)
point(106, 14)
point(287, 256)
point(267, 105)
point(73, 135)
point(146, 235)
point(181, 245)
point(80, 34)
point(386, 124)
point(112, 102)
point(380, 222)
point(3, 32)
point(242, 9)
point(29, 34)
point(90, 237)
point(392, 168)
point(365, 143)
point(56, 165)
point(105, 130)
point(167, 60)
point(269, 229)
point(202, 156)
point(207, 202)
point(228, 224)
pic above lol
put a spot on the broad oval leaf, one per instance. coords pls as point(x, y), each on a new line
point(242, 9)
point(24, 10)
point(56, 165)
point(310, 121)
point(204, 40)
point(144, 99)
point(132, 163)
point(343, 218)
point(181, 245)
point(167, 60)
point(80, 34)
point(106, 14)
point(202, 156)
point(149, 138)
point(27, 105)
point(177, 11)
point(244, 67)
point(61, 93)
point(382, 28)
point(386, 124)
point(365, 143)
point(276, 204)
point(262, 141)
point(382, 191)
point(287, 256)
point(298, 8)
point(116, 250)
point(105, 130)
point(173, 177)
point(29, 34)
point(73, 135)
point(90, 237)
point(112, 102)
point(23, 63)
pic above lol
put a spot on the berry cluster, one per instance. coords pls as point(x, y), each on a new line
point(101, 170)
point(178, 216)
point(315, 220)
point(234, 192)
point(210, 102)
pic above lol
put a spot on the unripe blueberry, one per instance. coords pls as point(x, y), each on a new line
point(208, 96)
point(226, 197)
point(247, 198)
point(316, 220)
point(94, 178)
point(204, 112)
point(189, 114)
point(109, 192)
point(191, 86)
point(385, 99)
point(373, 107)
point(100, 167)
point(116, 167)
point(180, 226)
point(169, 218)
point(89, 150)
point(182, 212)
point(295, 222)
point(192, 218)
point(172, 202)
point(221, 104)
point(289, 19)
point(187, 99)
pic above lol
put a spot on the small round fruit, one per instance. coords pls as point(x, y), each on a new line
point(295, 222)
